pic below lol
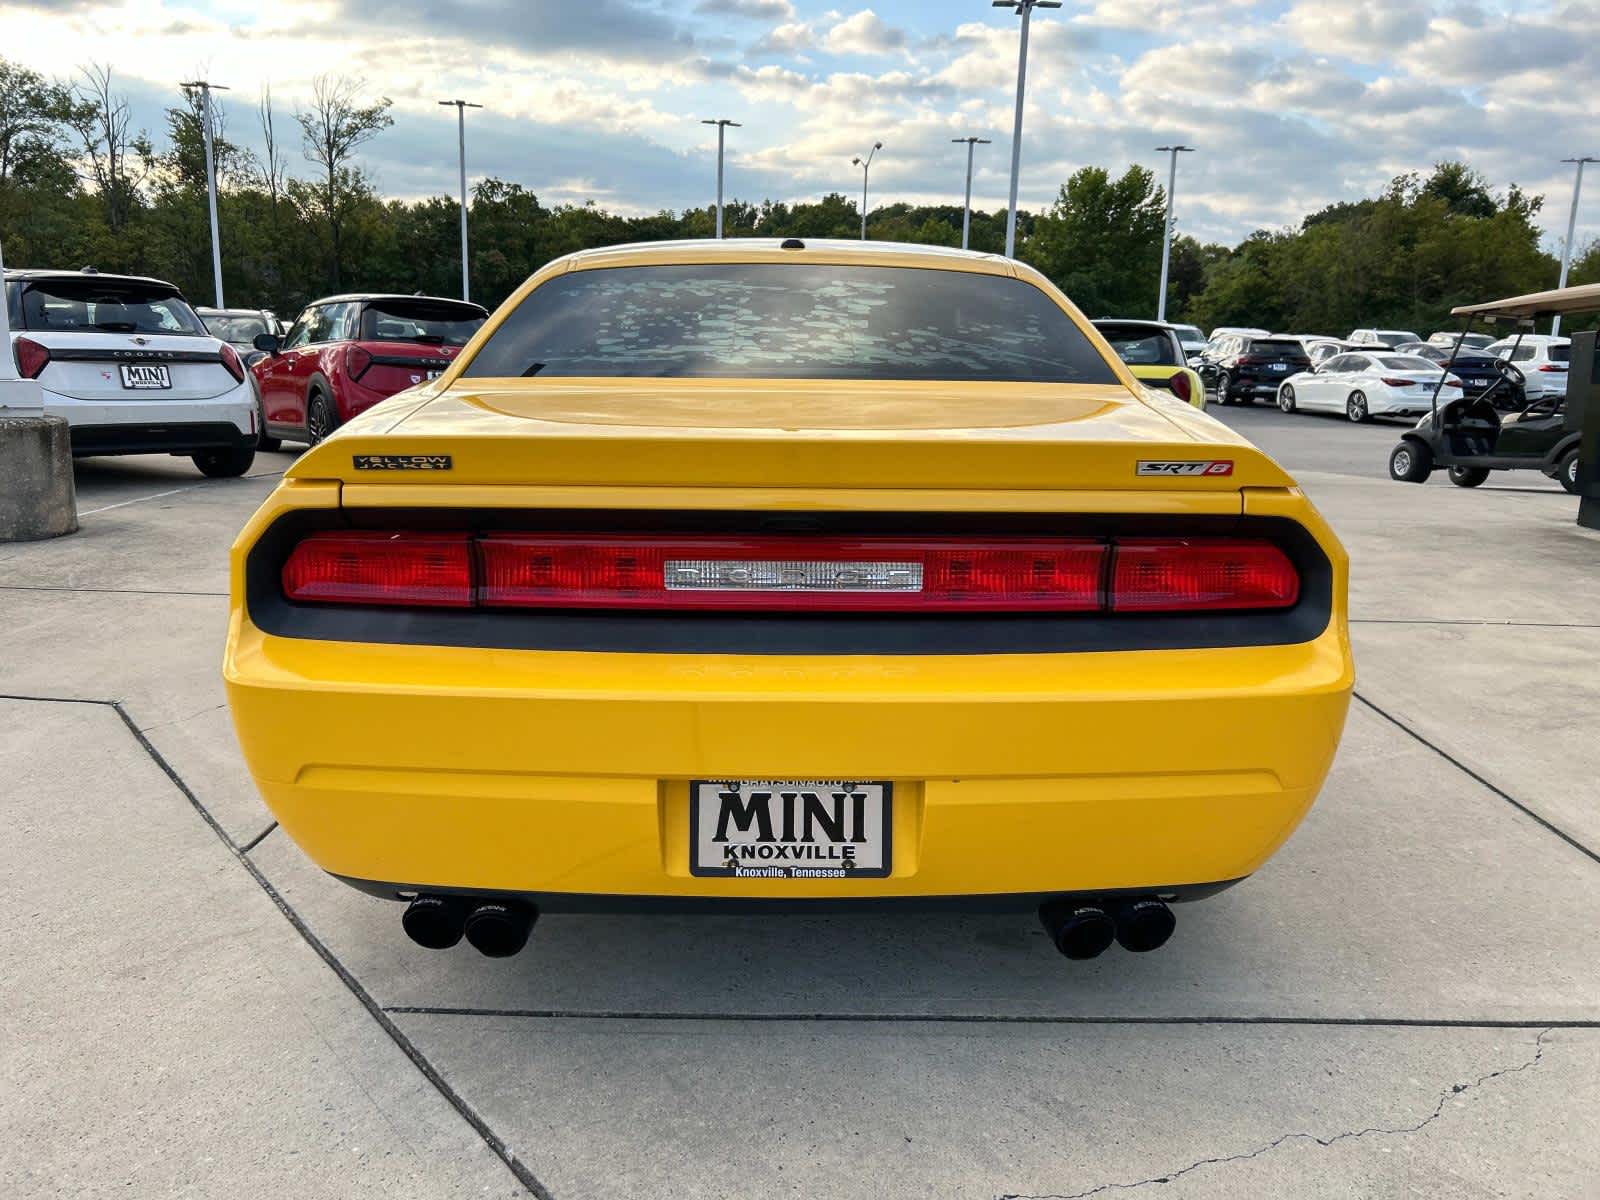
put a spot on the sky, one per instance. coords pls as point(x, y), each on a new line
point(1291, 106)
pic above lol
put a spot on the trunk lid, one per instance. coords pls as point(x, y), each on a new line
point(89, 366)
point(396, 366)
point(739, 433)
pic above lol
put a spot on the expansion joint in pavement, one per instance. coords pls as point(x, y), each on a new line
point(1445, 1097)
point(1548, 826)
point(365, 998)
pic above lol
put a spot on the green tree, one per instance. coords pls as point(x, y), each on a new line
point(1101, 241)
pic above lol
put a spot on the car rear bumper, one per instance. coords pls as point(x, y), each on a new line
point(157, 426)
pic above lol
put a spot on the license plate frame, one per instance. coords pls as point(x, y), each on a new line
point(145, 377)
point(876, 817)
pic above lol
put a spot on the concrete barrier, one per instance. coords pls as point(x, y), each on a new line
point(37, 497)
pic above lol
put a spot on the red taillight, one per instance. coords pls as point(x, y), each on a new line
point(1151, 575)
point(720, 572)
point(356, 361)
point(1179, 384)
point(1249, 360)
point(31, 357)
point(868, 574)
point(1552, 368)
point(431, 570)
point(1400, 382)
point(230, 359)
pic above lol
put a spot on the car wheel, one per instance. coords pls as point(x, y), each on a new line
point(321, 419)
point(1286, 398)
point(1568, 472)
point(1356, 408)
point(1468, 476)
point(264, 442)
point(225, 464)
point(1410, 462)
point(1224, 387)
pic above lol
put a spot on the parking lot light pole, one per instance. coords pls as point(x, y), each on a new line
point(722, 128)
point(461, 107)
point(205, 88)
point(1166, 238)
point(966, 210)
point(1572, 228)
point(866, 165)
point(1025, 9)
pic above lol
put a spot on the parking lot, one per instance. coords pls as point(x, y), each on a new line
point(1404, 1001)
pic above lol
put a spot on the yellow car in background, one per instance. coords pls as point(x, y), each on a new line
point(755, 575)
point(1155, 355)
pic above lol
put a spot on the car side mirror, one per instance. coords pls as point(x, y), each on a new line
point(267, 343)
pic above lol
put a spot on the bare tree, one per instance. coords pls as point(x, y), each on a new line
point(273, 167)
point(118, 160)
point(331, 130)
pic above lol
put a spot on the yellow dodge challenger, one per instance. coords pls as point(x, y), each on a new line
point(751, 576)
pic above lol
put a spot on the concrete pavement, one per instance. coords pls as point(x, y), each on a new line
point(1404, 1002)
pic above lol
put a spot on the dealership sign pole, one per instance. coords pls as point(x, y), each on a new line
point(1025, 8)
point(461, 107)
point(1166, 238)
point(1572, 228)
point(204, 87)
point(966, 211)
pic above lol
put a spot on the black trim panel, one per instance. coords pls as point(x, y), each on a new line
point(770, 633)
point(175, 438)
point(738, 906)
point(126, 356)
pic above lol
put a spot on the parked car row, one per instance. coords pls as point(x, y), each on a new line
point(135, 370)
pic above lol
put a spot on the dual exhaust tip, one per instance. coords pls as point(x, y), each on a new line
point(1080, 928)
point(494, 928)
point(1085, 928)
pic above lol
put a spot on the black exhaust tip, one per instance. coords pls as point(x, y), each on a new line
point(1144, 924)
point(1080, 929)
point(500, 928)
point(435, 921)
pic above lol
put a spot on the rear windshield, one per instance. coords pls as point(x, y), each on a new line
point(93, 305)
point(1277, 346)
point(1561, 353)
point(420, 321)
point(790, 321)
point(1188, 333)
point(1406, 362)
point(1140, 346)
point(242, 330)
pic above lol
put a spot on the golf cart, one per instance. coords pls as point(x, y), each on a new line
point(1468, 437)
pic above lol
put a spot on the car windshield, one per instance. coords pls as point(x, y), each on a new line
point(1139, 345)
point(241, 330)
point(791, 321)
point(89, 305)
point(1406, 362)
point(432, 322)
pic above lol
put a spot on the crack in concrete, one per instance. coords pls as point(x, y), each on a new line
point(210, 708)
point(1455, 1089)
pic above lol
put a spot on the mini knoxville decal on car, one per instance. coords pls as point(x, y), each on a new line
point(401, 462)
point(1208, 466)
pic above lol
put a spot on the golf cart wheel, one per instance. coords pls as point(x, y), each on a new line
point(1468, 476)
point(1356, 408)
point(1286, 398)
point(1410, 462)
point(1568, 471)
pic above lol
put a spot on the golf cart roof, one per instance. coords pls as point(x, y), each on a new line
point(1558, 301)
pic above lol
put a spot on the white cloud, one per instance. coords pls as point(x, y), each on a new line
point(760, 10)
point(793, 37)
point(864, 33)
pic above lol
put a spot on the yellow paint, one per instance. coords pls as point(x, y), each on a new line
point(567, 771)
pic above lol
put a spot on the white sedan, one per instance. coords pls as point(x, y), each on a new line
point(1366, 385)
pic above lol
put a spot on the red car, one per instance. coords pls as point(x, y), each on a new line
point(343, 354)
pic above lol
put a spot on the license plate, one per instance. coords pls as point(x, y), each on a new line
point(789, 829)
point(434, 374)
point(145, 377)
point(1279, 366)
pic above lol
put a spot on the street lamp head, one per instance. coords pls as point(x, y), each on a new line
point(877, 145)
point(856, 161)
point(1584, 159)
point(1019, 5)
point(1175, 149)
